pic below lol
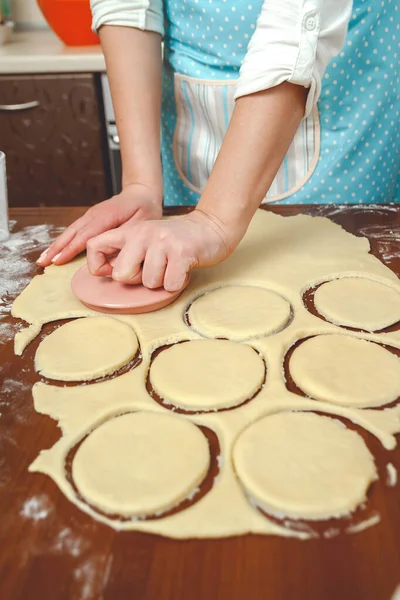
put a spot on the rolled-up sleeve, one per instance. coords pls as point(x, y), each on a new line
point(293, 41)
point(141, 14)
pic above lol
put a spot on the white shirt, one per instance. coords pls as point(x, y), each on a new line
point(293, 40)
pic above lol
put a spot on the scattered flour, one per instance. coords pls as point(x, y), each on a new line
point(11, 387)
point(36, 508)
point(68, 542)
point(91, 577)
point(85, 579)
point(330, 533)
point(92, 571)
point(396, 595)
point(7, 330)
point(386, 239)
point(330, 210)
point(16, 267)
point(12, 396)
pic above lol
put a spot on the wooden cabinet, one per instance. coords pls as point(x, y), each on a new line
point(51, 130)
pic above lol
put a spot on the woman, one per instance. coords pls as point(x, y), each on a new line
point(239, 123)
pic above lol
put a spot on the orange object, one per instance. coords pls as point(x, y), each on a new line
point(71, 20)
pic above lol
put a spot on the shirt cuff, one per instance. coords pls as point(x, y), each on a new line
point(294, 41)
point(147, 16)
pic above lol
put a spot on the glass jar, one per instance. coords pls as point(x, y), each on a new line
point(4, 230)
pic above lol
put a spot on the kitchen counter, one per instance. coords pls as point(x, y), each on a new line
point(51, 549)
point(41, 51)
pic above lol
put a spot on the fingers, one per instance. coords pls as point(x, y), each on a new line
point(141, 254)
point(101, 251)
point(126, 267)
point(155, 264)
point(177, 271)
point(76, 245)
point(70, 243)
point(64, 239)
point(128, 264)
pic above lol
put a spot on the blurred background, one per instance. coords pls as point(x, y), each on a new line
point(26, 13)
point(57, 126)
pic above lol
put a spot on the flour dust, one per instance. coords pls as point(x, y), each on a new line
point(16, 267)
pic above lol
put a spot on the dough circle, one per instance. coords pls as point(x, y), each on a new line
point(346, 370)
point(358, 302)
point(239, 313)
point(207, 374)
point(141, 463)
point(86, 349)
point(304, 466)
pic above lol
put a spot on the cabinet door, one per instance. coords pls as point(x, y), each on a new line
point(52, 134)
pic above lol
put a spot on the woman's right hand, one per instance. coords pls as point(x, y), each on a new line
point(136, 202)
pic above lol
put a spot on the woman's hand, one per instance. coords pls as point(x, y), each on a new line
point(135, 203)
point(160, 253)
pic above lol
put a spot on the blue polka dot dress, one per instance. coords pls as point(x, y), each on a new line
point(347, 151)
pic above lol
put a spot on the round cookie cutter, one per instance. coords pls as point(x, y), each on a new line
point(104, 294)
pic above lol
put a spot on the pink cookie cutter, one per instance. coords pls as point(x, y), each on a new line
point(104, 294)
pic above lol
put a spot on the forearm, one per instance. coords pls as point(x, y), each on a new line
point(258, 137)
point(133, 59)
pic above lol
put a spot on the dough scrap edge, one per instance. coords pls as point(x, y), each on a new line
point(49, 462)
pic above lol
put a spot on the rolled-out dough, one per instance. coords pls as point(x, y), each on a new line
point(358, 302)
point(86, 349)
point(304, 466)
point(239, 313)
point(345, 370)
point(141, 463)
point(288, 255)
point(207, 374)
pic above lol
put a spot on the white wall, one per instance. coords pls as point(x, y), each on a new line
point(27, 12)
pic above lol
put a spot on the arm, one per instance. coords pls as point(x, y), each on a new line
point(280, 81)
point(286, 56)
point(130, 33)
point(259, 134)
point(133, 59)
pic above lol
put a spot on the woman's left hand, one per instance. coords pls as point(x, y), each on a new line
point(160, 253)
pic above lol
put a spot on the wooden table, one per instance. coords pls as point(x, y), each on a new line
point(51, 550)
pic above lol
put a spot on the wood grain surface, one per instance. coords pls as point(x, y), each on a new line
point(51, 550)
point(56, 152)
